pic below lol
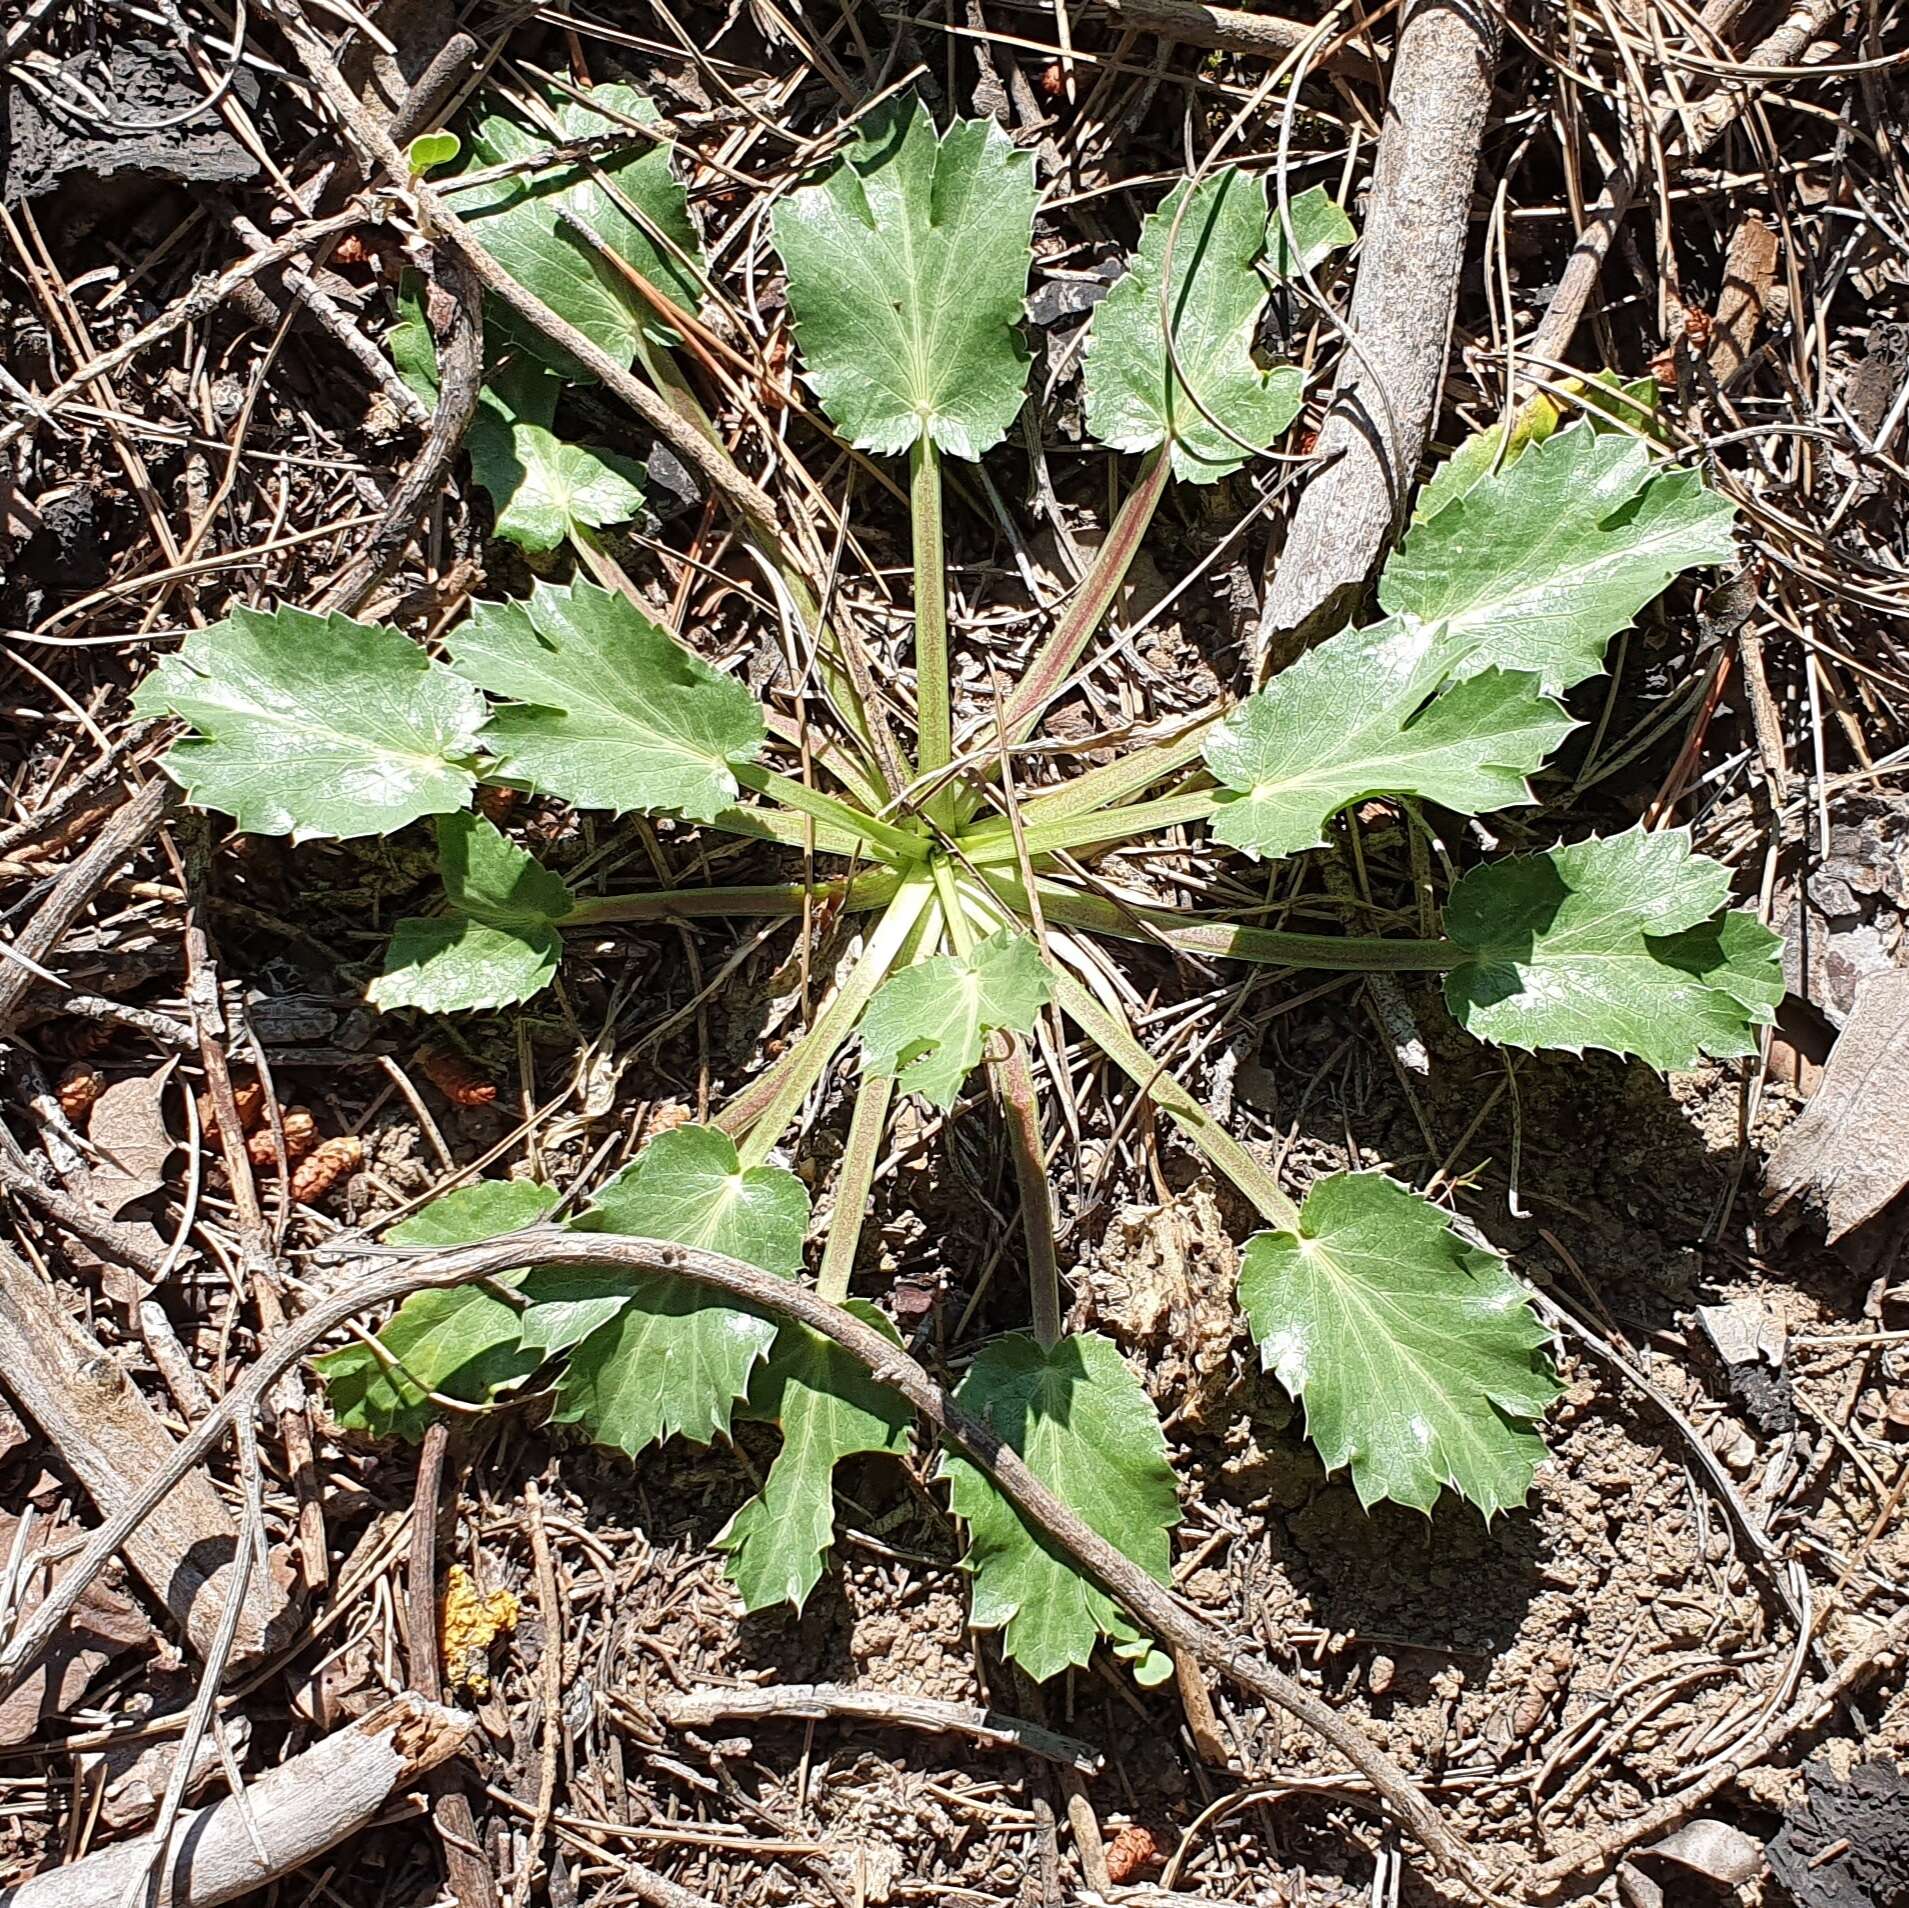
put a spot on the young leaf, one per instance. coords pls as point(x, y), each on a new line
point(315, 726)
point(611, 713)
point(542, 487)
point(1350, 719)
point(1417, 1359)
point(656, 1357)
point(1613, 943)
point(461, 1343)
point(497, 946)
point(829, 1408)
point(1319, 228)
point(430, 150)
point(518, 219)
point(928, 1024)
point(1541, 565)
point(1134, 400)
point(907, 269)
point(1079, 1418)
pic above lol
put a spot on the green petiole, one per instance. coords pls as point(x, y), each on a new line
point(808, 1060)
point(1336, 953)
point(884, 838)
point(933, 720)
point(768, 898)
point(1047, 674)
point(854, 1180)
point(1102, 787)
point(1098, 829)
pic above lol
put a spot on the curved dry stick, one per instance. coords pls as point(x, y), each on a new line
point(460, 374)
point(1402, 306)
point(1145, 1600)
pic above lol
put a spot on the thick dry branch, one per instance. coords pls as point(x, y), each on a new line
point(889, 1708)
point(337, 323)
point(366, 1286)
point(112, 1440)
point(298, 1811)
point(1401, 321)
point(124, 1242)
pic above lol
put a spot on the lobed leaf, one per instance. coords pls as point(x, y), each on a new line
point(1314, 228)
point(1135, 400)
point(928, 1024)
point(829, 1408)
point(1417, 1358)
point(498, 945)
point(1605, 397)
point(608, 711)
point(315, 726)
point(519, 220)
point(1352, 719)
point(1083, 1424)
point(543, 488)
point(1539, 566)
point(657, 1357)
point(907, 271)
point(462, 1343)
point(1614, 942)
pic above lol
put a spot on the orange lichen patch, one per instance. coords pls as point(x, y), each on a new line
point(469, 1622)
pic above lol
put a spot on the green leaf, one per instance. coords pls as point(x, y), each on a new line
point(1474, 460)
point(1608, 402)
point(656, 1356)
point(611, 712)
point(1538, 567)
point(1351, 719)
point(543, 488)
point(430, 150)
point(497, 946)
point(1081, 1421)
point(1319, 228)
point(1417, 1358)
point(907, 270)
point(517, 219)
point(1613, 943)
point(688, 1187)
point(462, 1343)
point(829, 1409)
point(1134, 400)
point(413, 349)
point(315, 726)
point(928, 1024)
